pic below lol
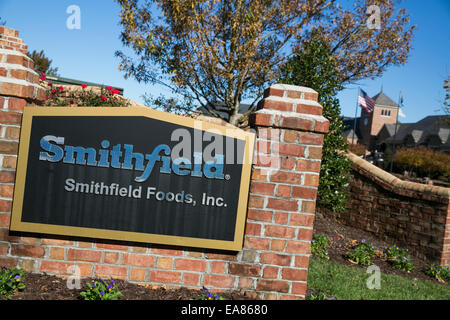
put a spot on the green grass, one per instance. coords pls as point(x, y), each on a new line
point(347, 283)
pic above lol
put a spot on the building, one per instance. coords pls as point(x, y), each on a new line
point(368, 125)
point(432, 132)
point(77, 83)
point(378, 130)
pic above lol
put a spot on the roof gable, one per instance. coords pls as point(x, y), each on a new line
point(384, 100)
point(419, 131)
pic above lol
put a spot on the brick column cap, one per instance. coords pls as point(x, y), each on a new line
point(18, 79)
point(9, 32)
point(291, 91)
point(9, 39)
point(291, 87)
point(290, 107)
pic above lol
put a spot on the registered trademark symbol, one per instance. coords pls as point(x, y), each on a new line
point(227, 177)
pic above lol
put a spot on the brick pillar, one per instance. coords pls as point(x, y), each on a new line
point(445, 258)
point(290, 129)
point(19, 86)
point(19, 83)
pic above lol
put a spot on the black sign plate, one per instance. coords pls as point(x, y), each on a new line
point(132, 174)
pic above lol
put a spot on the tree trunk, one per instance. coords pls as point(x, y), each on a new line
point(234, 115)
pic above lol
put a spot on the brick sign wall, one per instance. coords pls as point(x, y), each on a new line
point(273, 263)
point(409, 214)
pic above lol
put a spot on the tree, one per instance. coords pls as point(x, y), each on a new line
point(316, 68)
point(447, 95)
point(2, 22)
point(446, 102)
point(42, 64)
point(221, 52)
point(360, 50)
point(171, 105)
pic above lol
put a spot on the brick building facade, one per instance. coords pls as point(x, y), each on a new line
point(368, 125)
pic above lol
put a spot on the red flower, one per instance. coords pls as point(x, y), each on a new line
point(50, 84)
point(104, 98)
point(115, 91)
point(43, 77)
point(61, 88)
point(109, 88)
point(46, 97)
point(54, 91)
point(71, 102)
point(84, 86)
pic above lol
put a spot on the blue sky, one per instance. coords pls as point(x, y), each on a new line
point(88, 53)
point(422, 77)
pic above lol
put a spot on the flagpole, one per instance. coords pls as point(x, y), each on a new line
point(395, 132)
point(354, 122)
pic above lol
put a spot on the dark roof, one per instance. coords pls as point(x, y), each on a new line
point(222, 110)
point(390, 127)
point(419, 131)
point(384, 100)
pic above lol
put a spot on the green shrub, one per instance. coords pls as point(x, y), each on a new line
point(438, 272)
point(57, 95)
point(399, 258)
point(424, 161)
point(100, 290)
point(11, 280)
point(358, 149)
point(319, 246)
point(362, 253)
point(315, 67)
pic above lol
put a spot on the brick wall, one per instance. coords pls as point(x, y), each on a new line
point(274, 261)
point(379, 120)
point(18, 87)
point(410, 214)
point(19, 83)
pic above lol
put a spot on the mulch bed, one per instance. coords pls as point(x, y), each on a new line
point(49, 287)
point(339, 248)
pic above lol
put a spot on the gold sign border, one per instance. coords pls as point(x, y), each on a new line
point(19, 189)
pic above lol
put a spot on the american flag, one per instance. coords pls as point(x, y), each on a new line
point(365, 101)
